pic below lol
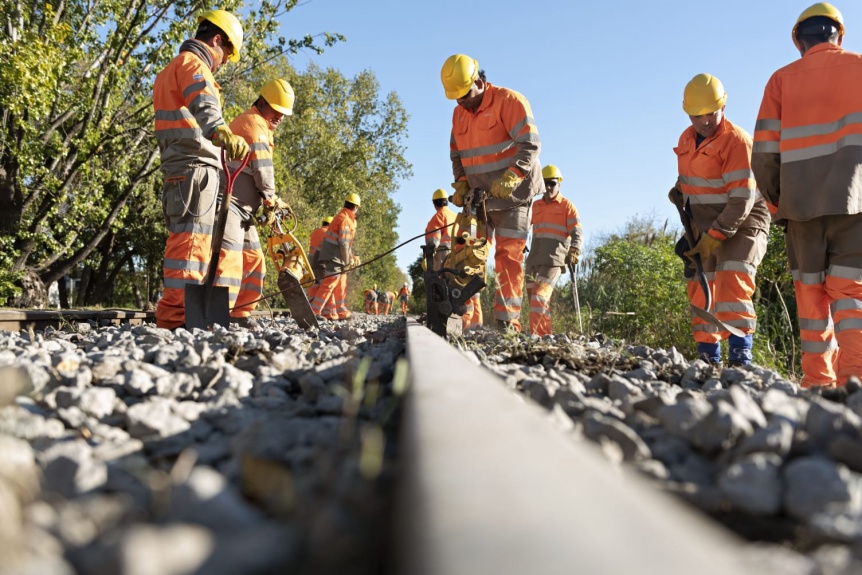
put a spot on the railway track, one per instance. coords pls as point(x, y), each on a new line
point(305, 448)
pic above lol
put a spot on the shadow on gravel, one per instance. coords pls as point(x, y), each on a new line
point(227, 453)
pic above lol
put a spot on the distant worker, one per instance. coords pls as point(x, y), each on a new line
point(338, 258)
point(808, 160)
point(391, 297)
point(403, 294)
point(371, 297)
point(438, 232)
point(384, 302)
point(494, 147)
point(315, 243)
point(557, 242)
point(715, 178)
point(242, 267)
point(189, 129)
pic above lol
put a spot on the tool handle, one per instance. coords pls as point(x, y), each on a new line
point(221, 223)
point(677, 199)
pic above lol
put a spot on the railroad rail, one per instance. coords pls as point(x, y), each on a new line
point(488, 485)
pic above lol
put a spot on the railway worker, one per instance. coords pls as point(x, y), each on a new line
point(336, 255)
point(438, 232)
point(384, 302)
point(315, 242)
point(715, 178)
point(494, 146)
point(371, 301)
point(391, 296)
point(557, 242)
point(242, 267)
point(403, 294)
point(807, 160)
point(189, 129)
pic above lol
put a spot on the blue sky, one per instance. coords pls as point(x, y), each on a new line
point(605, 81)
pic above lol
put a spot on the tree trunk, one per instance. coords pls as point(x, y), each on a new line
point(64, 292)
point(83, 286)
point(34, 295)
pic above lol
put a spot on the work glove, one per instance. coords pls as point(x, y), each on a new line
point(276, 203)
point(573, 257)
point(235, 146)
point(706, 246)
point(674, 195)
point(462, 188)
point(505, 184)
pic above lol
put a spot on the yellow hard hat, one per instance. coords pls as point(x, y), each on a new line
point(439, 194)
point(704, 94)
point(353, 198)
point(551, 172)
point(230, 25)
point(279, 95)
point(820, 9)
point(458, 74)
point(327, 220)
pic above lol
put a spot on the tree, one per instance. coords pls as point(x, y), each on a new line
point(77, 153)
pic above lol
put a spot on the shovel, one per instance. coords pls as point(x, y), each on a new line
point(206, 304)
point(676, 197)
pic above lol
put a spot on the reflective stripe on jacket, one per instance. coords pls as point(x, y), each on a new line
point(501, 134)
point(555, 228)
point(808, 136)
point(258, 177)
point(187, 109)
point(340, 233)
point(718, 183)
point(440, 238)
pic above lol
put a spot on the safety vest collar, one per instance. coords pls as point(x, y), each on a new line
point(824, 47)
point(201, 50)
point(691, 135)
point(487, 100)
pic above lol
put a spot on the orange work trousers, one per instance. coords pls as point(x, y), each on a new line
point(540, 287)
point(509, 229)
point(241, 267)
point(473, 316)
point(825, 256)
point(730, 273)
point(188, 204)
point(332, 287)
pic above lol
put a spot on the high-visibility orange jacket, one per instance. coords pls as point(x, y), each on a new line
point(338, 241)
point(187, 109)
point(404, 293)
point(257, 179)
point(808, 136)
point(442, 238)
point(316, 240)
point(499, 135)
point(716, 180)
point(555, 228)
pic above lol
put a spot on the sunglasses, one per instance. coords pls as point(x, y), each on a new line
point(551, 183)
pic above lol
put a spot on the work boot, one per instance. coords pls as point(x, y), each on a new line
point(739, 350)
point(709, 352)
point(247, 322)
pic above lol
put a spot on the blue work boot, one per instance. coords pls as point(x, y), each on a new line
point(739, 350)
point(709, 352)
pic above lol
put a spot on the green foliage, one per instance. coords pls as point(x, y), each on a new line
point(637, 273)
point(79, 181)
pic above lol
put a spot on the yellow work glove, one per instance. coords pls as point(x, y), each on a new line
point(573, 257)
point(505, 184)
point(355, 262)
point(235, 146)
point(462, 188)
point(706, 246)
